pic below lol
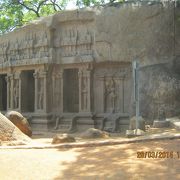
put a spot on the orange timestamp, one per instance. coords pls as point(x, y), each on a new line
point(158, 154)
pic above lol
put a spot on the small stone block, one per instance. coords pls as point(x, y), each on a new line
point(160, 124)
point(134, 133)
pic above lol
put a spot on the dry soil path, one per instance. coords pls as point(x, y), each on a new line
point(106, 162)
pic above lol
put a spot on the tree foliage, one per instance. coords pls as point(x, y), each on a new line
point(15, 13)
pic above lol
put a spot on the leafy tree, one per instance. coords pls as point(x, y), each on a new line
point(86, 3)
point(15, 13)
point(11, 16)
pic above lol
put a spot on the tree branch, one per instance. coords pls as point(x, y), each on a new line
point(55, 4)
point(40, 4)
point(28, 8)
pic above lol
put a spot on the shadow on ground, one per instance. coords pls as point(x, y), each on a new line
point(121, 162)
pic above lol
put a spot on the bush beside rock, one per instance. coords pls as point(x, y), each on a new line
point(63, 138)
point(94, 133)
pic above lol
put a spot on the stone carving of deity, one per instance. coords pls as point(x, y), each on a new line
point(16, 94)
point(110, 95)
point(41, 94)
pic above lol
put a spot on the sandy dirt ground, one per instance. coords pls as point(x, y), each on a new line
point(106, 162)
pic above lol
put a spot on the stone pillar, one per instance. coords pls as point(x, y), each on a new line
point(84, 90)
point(41, 89)
point(123, 94)
point(20, 95)
point(17, 80)
point(41, 118)
point(44, 76)
point(8, 91)
point(20, 91)
point(11, 90)
point(1, 107)
point(102, 90)
point(61, 90)
point(57, 79)
point(36, 90)
point(80, 82)
point(88, 74)
point(53, 91)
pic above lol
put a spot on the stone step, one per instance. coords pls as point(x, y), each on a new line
point(108, 129)
point(65, 121)
point(68, 115)
point(64, 126)
point(121, 128)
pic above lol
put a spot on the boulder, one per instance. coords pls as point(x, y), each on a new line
point(20, 122)
point(10, 134)
point(94, 133)
point(132, 124)
point(63, 138)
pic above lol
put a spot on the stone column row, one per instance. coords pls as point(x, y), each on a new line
point(84, 90)
point(14, 91)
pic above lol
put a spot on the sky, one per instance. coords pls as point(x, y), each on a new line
point(71, 5)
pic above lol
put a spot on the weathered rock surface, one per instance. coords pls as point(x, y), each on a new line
point(63, 138)
point(10, 134)
point(159, 91)
point(94, 133)
point(20, 122)
point(132, 124)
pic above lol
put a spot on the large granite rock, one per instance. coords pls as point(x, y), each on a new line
point(159, 91)
point(94, 133)
point(132, 124)
point(10, 134)
point(20, 122)
point(63, 138)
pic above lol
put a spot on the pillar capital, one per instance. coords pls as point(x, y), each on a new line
point(35, 75)
point(80, 73)
point(10, 76)
point(43, 73)
point(17, 75)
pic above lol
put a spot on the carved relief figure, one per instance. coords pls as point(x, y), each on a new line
point(17, 50)
point(16, 94)
point(110, 95)
point(76, 41)
point(5, 50)
point(30, 43)
point(1, 54)
point(41, 94)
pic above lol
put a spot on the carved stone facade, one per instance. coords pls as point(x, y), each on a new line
point(74, 68)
